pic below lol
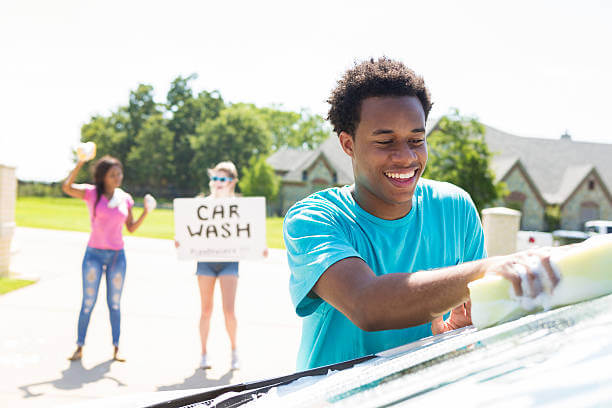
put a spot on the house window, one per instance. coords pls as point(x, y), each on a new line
point(516, 200)
point(304, 175)
point(591, 184)
point(335, 178)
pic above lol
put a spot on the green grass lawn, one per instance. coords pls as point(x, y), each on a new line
point(71, 214)
point(8, 284)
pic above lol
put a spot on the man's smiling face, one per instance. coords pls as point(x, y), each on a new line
point(389, 154)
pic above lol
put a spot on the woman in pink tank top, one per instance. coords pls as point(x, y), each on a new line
point(109, 209)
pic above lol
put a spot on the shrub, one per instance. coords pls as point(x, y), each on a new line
point(552, 217)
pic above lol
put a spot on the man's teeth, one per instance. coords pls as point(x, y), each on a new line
point(401, 175)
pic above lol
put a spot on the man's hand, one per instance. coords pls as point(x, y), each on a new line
point(529, 271)
point(459, 317)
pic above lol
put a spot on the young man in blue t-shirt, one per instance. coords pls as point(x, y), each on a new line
point(377, 264)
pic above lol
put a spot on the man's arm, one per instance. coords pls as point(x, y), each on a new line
point(400, 300)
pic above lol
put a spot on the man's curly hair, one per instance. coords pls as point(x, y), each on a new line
point(382, 77)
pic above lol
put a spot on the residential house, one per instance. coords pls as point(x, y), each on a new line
point(576, 176)
point(304, 172)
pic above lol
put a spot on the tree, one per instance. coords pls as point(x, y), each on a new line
point(187, 112)
point(258, 179)
point(168, 146)
point(150, 162)
point(293, 129)
point(141, 107)
point(238, 134)
point(552, 217)
point(110, 136)
point(459, 154)
point(282, 125)
point(116, 134)
point(311, 132)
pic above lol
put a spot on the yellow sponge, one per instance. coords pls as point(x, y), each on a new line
point(586, 273)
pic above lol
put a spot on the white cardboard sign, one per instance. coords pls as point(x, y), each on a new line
point(220, 229)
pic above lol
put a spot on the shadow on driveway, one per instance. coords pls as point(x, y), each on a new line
point(199, 379)
point(74, 377)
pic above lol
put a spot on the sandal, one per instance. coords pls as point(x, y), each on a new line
point(77, 355)
point(116, 356)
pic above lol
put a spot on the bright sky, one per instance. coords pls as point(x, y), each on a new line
point(531, 68)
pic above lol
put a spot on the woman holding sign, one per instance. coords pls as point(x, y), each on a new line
point(223, 180)
point(109, 209)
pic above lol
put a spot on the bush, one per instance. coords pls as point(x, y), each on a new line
point(39, 189)
point(515, 205)
point(259, 179)
point(552, 217)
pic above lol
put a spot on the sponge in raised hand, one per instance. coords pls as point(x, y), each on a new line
point(86, 151)
point(149, 202)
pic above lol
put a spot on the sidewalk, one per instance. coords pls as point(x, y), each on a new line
point(160, 315)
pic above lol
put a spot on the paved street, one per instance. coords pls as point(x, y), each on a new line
point(160, 313)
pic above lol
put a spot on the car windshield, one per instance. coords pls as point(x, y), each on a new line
point(557, 357)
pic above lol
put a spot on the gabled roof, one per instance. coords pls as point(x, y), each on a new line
point(338, 159)
point(294, 161)
point(571, 179)
point(502, 166)
point(517, 164)
point(571, 188)
point(287, 159)
point(557, 166)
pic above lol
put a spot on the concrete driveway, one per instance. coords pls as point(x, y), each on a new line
point(160, 313)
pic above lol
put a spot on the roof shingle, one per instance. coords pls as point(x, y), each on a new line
point(556, 166)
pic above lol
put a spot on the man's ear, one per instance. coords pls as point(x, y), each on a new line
point(347, 143)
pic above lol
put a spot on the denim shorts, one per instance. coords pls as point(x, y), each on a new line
point(216, 269)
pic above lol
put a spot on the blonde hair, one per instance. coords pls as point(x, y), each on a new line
point(226, 166)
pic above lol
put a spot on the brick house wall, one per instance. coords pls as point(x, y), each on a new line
point(317, 177)
point(532, 208)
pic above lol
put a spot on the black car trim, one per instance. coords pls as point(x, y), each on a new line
point(250, 388)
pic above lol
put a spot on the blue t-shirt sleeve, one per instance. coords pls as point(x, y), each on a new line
point(315, 239)
point(474, 247)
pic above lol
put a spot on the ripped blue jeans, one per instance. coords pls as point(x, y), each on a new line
point(98, 262)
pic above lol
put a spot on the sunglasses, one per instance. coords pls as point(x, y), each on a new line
point(222, 179)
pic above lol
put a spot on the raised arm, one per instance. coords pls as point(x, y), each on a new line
point(74, 190)
point(400, 300)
